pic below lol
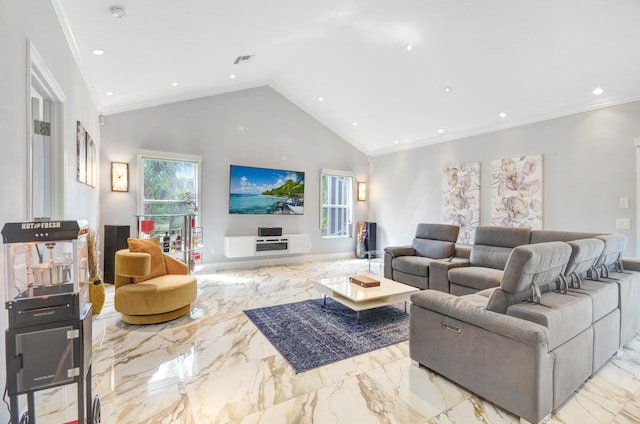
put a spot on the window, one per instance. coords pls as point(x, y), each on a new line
point(166, 181)
point(336, 205)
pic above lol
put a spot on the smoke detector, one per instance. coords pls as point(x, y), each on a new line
point(117, 12)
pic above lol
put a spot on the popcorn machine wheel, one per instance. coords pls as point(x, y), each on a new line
point(49, 339)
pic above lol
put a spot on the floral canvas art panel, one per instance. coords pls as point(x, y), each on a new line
point(516, 189)
point(461, 199)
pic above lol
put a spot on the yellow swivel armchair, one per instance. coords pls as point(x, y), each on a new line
point(151, 287)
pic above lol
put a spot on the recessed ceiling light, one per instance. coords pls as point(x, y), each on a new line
point(98, 52)
point(175, 84)
point(396, 142)
point(598, 91)
point(448, 89)
point(109, 93)
point(440, 130)
point(321, 99)
point(409, 47)
point(232, 76)
point(502, 114)
point(355, 124)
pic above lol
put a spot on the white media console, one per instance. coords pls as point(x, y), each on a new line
point(247, 246)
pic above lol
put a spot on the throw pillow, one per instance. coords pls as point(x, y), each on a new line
point(152, 247)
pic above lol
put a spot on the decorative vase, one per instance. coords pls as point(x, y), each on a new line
point(96, 295)
point(360, 249)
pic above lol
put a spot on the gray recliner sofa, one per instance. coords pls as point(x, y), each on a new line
point(488, 256)
point(561, 310)
point(410, 264)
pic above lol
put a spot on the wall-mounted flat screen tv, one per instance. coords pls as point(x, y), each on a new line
point(265, 191)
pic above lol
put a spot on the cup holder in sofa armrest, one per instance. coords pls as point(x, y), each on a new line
point(439, 272)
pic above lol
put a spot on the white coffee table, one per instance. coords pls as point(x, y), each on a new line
point(358, 298)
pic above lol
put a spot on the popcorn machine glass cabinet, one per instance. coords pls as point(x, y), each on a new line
point(37, 269)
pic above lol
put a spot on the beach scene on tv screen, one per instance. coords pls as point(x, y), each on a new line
point(265, 191)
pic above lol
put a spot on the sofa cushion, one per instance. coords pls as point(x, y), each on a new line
point(435, 249)
point(544, 236)
point(604, 297)
point(614, 245)
point(435, 241)
point(421, 283)
point(535, 263)
point(492, 245)
point(489, 256)
point(162, 294)
point(502, 236)
point(152, 247)
point(477, 278)
point(415, 265)
point(442, 232)
point(565, 315)
point(584, 254)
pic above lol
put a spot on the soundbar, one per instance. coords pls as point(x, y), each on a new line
point(269, 231)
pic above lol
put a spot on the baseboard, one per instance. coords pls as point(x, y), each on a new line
point(272, 261)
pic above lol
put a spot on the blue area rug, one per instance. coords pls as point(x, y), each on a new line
point(309, 335)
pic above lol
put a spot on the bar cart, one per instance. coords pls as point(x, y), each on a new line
point(48, 342)
point(180, 235)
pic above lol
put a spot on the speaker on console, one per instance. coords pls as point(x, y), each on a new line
point(370, 241)
point(269, 231)
point(115, 238)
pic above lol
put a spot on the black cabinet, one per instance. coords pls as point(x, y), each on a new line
point(115, 238)
point(370, 242)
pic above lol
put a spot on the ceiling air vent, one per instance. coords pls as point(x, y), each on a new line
point(243, 59)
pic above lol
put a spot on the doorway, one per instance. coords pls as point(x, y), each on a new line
point(45, 149)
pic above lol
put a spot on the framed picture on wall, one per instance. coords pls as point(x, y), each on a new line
point(91, 161)
point(81, 149)
point(516, 192)
point(461, 199)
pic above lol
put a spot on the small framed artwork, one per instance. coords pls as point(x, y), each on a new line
point(91, 161)
point(81, 141)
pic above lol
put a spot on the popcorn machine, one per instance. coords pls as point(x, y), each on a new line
point(49, 339)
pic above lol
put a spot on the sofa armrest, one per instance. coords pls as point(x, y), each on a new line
point(439, 272)
point(130, 265)
point(631, 264)
point(396, 251)
point(462, 309)
point(393, 252)
point(175, 266)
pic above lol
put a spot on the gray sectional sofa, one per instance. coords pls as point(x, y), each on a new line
point(562, 305)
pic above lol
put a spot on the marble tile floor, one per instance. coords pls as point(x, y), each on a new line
point(214, 366)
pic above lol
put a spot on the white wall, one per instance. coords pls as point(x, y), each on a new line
point(589, 162)
point(35, 20)
point(254, 127)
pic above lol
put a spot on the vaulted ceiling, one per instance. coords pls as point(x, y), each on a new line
point(384, 75)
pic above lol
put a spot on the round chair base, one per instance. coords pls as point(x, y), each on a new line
point(156, 318)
